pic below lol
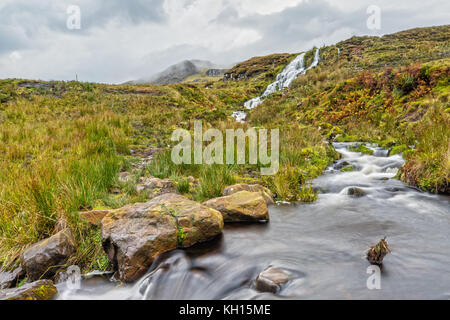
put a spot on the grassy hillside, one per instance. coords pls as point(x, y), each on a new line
point(63, 144)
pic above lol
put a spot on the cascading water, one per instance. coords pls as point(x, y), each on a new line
point(284, 79)
point(321, 245)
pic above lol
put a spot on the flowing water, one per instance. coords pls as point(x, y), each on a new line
point(284, 79)
point(322, 245)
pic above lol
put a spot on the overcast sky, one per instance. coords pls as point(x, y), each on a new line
point(122, 40)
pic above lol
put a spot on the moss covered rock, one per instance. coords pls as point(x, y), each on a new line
point(265, 192)
point(133, 236)
point(39, 290)
point(241, 206)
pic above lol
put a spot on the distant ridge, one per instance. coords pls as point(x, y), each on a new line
point(181, 71)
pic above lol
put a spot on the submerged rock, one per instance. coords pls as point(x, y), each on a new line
point(271, 279)
point(39, 290)
point(241, 206)
point(376, 254)
point(265, 192)
point(9, 278)
point(42, 258)
point(133, 236)
point(356, 192)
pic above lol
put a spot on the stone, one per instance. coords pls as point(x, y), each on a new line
point(94, 217)
point(376, 254)
point(271, 279)
point(156, 186)
point(42, 259)
point(9, 278)
point(133, 236)
point(265, 192)
point(355, 192)
point(39, 290)
point(240, 207)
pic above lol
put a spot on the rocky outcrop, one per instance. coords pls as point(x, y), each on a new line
point(265, 192)
point(215, 72)
point(135, 235)
point(241, 206)
point(39, 290)
point(271, 279)
point(42, 258)
point(9, 278)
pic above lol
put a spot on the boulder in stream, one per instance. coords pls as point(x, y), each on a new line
point(355, 192)
point(271, 279)
point(38, 290)
point(240, 207)
point(41, 259)
point(265, 192)
point(133, 236)
point(376, 254)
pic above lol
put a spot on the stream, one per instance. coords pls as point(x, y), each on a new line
point(322, 245)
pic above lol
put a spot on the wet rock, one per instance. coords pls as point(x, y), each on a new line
point(271, 279)
point(265, 192)
point(133, 236)
point(355, 192)
point(341, 164)
point(39, 290)
point(376, 254)
point(40, 259)
point(348, 168)
point(94, 217)
point(9, 278)
point(241, 206)
point(156, 186)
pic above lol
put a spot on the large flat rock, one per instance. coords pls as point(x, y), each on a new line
point(133, 236)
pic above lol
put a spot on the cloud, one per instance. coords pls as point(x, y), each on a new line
point(123, 40)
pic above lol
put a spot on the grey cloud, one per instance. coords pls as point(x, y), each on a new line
point(38, 28)
point(32, 16)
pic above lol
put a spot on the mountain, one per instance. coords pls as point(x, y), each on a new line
point(181, 71)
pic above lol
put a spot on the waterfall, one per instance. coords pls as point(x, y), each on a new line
point(283, 80)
